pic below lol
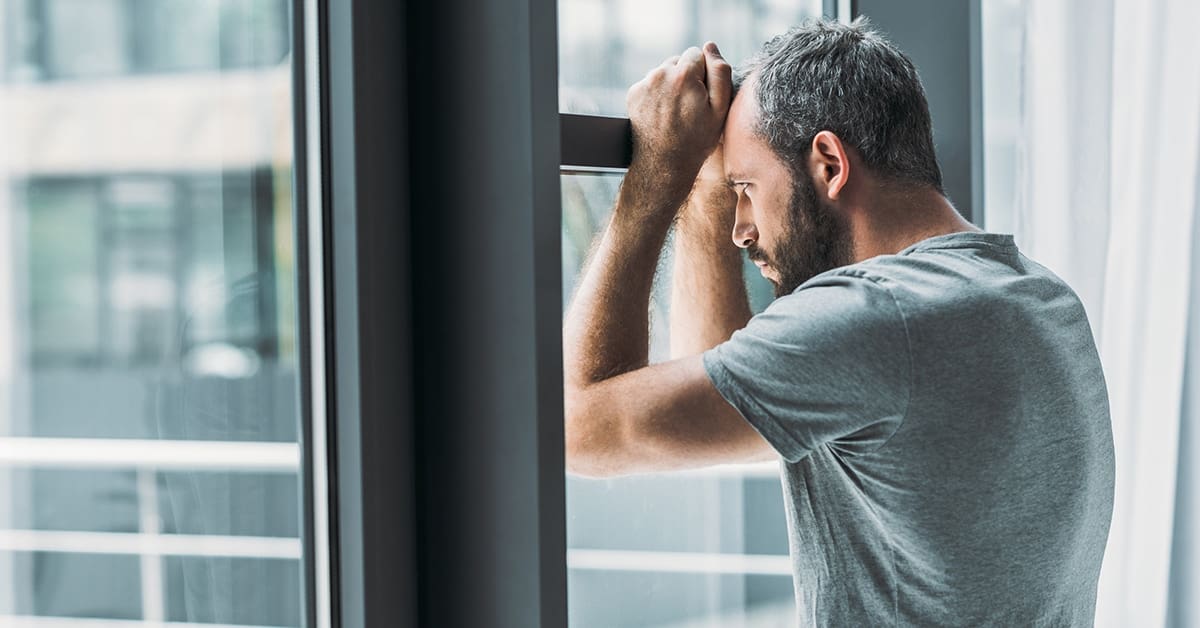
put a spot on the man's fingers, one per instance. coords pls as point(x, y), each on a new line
point(674, 110)
point(691, 63)
point(719, 77)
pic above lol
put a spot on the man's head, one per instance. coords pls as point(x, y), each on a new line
point(818, 108)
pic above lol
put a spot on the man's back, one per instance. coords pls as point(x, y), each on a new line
point(945, 425)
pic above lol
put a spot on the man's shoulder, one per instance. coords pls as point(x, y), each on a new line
point(936, 273)
point(874, 276)
point(850, 299)
point(939, 282)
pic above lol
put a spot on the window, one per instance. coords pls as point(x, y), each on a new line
point(1002, 66)
point(691, 549)
point(607, 45)
point(150, 426)
point(81, 39)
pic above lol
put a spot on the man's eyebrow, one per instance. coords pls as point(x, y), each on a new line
point(735, 176)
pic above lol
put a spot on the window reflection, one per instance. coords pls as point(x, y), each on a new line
point(149, 425)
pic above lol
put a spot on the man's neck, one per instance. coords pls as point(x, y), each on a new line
point(892, 221)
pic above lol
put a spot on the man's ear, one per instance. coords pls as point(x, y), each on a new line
point(830, 164)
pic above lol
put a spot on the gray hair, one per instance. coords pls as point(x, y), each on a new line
point(848, 79)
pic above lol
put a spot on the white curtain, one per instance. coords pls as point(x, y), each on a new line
point(1107, 163)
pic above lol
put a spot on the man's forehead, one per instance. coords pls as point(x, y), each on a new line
point(740, 132)
point(743, 109)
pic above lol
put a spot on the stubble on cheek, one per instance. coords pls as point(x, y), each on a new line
point(814, 241)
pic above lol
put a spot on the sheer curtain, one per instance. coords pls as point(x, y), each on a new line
point(1106, 132)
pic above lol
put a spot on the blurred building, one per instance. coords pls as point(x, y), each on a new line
point(145, 207)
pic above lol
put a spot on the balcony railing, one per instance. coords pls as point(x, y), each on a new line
point(148, 457)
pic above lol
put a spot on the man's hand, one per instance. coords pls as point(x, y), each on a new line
point(677, 112)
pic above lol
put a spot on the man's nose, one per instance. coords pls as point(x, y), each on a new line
point(744, 234)
point(744, 231)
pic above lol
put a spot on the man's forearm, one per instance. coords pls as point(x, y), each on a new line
point(677, 113)
point(708, 294)
point(606, 330)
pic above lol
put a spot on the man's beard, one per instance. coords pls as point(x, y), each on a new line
point(816, 240)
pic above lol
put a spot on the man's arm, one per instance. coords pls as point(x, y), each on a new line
point(708, 294)
point(621, 415)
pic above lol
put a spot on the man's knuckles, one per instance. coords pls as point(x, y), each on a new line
point(671, 108)
point(721, 68)
point(655, 76)
point(691, 58)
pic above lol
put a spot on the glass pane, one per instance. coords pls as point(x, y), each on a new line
point(149, 417)
point(604, 46)
point(90, 37)
point(1002, 66)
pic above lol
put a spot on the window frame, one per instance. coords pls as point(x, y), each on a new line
point(443, 508)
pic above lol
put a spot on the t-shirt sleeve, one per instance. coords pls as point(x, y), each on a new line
point(827, 364)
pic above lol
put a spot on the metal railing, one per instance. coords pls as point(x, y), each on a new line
point(148, 457)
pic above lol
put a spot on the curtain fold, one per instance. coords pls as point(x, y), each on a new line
point(1109, 152)
point(1183, 607)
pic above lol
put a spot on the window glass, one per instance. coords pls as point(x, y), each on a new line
point(61, 220)
point(604, 46)
point(76, 39)
point(79, 37)
point(706, 548)
point(1002, 67)
point(149, 417)
point(179, 35)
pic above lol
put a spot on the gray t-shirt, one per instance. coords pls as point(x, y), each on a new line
point(945, 433)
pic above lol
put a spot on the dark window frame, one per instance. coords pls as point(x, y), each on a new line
point(443, 372)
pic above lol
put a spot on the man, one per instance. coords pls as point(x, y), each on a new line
point(935, 396)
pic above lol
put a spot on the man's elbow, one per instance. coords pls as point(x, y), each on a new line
point(591, 439)
point(583, 463)
point(588, 462)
